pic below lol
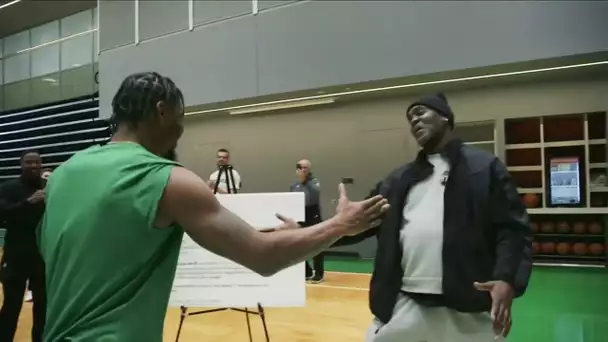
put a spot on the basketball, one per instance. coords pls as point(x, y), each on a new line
point(595, 228)
point(596, 249)
point(531, 200)
point(580, 248)
point(535, 247)
point(563, 227)
point(547, 227)
point(563, 248)
point(548, 248)
point(534, 227)
point(579, 228)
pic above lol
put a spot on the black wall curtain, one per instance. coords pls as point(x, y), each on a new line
point(56, 130)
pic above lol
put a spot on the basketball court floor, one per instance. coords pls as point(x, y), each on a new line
point(336, 311)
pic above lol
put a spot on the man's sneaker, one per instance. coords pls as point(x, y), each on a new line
point(28, 296)
point(309, 278)
point(316, 280)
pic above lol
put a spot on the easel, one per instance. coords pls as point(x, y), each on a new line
point(247, 312)
point(231, 188)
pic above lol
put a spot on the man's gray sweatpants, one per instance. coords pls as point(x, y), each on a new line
point(415, 323)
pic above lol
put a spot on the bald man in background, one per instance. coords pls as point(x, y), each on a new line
point(311, 188)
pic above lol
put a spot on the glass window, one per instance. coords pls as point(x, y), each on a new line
point(17, 95)
point(95, 18)
point(95, 34)
point(77, 52)
point(95, 46)
point(45, 60)
point(45, 33)
point(1, 47)
point(17, 68)
point(77, 82)
point(16, 42)
point(1, 72)
point(45, 89)
point(77, 23)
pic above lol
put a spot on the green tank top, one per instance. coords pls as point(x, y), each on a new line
point(109, 271)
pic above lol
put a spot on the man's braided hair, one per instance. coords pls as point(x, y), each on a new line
point(138, 95)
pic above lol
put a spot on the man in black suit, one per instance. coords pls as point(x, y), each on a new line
point(21, 207)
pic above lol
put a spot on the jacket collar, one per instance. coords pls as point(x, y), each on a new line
point(452, 151)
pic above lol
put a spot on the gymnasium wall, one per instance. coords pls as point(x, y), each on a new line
point(363, 140)
point(296, 45)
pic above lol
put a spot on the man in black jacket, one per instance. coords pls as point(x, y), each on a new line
point(22, 207)
point(454, 250)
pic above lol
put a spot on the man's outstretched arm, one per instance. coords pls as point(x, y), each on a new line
point(188, 201)
point(351, 240)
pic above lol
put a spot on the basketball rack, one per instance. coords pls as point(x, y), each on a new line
point(231, 189)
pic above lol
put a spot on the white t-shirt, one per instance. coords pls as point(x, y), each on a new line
point(422, 232)
point(224, 183)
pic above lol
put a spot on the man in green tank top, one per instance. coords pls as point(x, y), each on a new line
point(116, 214)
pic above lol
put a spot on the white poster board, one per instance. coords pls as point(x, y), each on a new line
point(204, 279)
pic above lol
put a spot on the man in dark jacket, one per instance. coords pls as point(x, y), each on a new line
point(22, 207)
point(454, 250)
point(311, 187)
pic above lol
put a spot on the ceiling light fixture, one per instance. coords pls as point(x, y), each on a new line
point(9, 4)
point(402, 86)
point(280, 106)
point(56, 41)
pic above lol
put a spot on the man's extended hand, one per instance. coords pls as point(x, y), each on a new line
point(37, 196)
point(354, 217)
point(502, 298)
point(288, 223)
point(360, 216)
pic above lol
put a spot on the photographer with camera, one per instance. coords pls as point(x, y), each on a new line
point(310, 186)
point(226, 174)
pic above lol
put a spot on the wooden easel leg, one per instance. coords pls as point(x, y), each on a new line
point(263, 318)
point(248, 325)
point(183, 315)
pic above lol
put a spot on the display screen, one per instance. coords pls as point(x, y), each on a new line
point(565, 181)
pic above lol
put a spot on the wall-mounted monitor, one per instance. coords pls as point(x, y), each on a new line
point(565, 181)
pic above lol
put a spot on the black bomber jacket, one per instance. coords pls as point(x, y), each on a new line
point(487, 234)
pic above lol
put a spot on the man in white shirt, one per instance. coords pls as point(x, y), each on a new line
point(229, 178)
point(455, 249)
